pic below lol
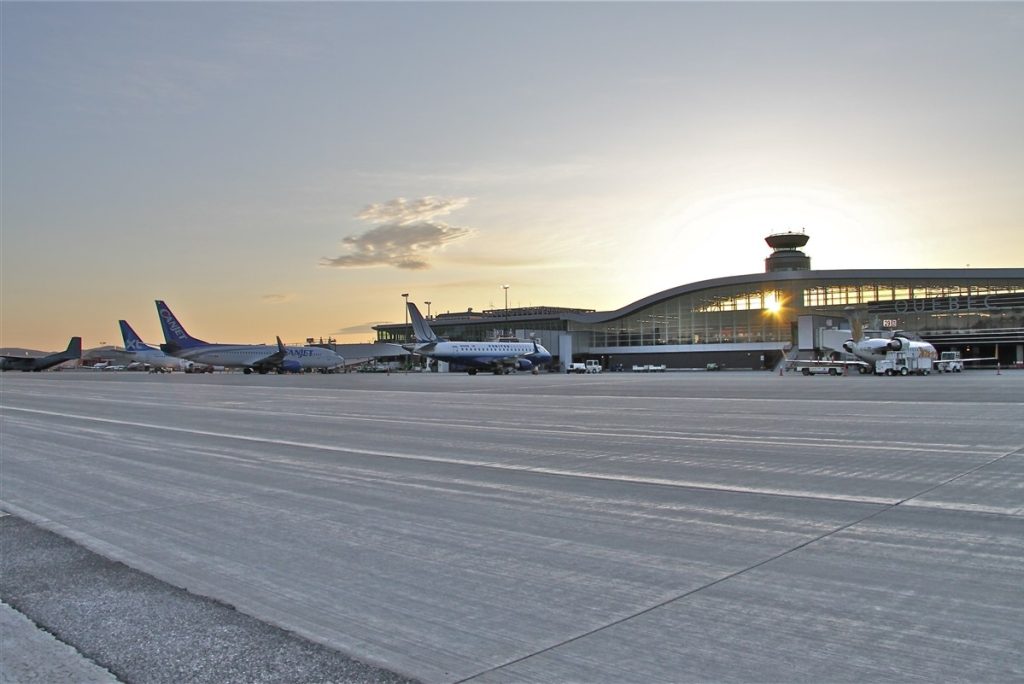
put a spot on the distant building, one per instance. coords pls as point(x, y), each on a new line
point(750, 321)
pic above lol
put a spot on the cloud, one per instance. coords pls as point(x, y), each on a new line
point(406, 237)
point(403, 212)
point(277, 298)
point(361, 328)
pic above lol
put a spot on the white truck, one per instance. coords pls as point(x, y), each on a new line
point(949, 362)
point(589, 366)
point(904, 363)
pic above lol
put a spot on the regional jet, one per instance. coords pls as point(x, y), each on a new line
point(38, 363)
point(261, 358)
point(498, 357)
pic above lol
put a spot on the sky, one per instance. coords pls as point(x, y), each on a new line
point(293, 168)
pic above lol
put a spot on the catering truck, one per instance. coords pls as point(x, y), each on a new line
point(904, 363)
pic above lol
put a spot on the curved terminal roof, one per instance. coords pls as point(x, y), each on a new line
point(858, 275)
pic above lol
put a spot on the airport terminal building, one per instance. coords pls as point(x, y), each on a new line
point(751, 321)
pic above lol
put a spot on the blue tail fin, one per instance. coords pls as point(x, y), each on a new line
point(174, 332)
point(132, 342)
point(421, 331)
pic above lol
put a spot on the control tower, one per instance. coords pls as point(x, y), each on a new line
point(786, 254)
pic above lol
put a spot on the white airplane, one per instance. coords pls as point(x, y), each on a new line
point(497, 357)
point(261, 358)
point(151, 356)
point(869, 350)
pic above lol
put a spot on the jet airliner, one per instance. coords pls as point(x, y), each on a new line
point(144, 353)
point(497, 357)
point(38, 363)
point(261, 358)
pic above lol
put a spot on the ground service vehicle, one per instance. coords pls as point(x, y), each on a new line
point(904, 363)
point(949, 362)
point(593, 366)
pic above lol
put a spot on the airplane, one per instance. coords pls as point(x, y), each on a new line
point(869, 350)
point(38, 363)
point(261, 358)
point(498, 357)
point(151, 356)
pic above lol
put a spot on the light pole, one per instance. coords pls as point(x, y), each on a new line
point(405, 334)
point(428, 309)
point(505, 288)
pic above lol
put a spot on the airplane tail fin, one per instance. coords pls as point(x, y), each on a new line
point(421, 330)
point(174, 332)
point(858, 329)
point(74, 349)
point(132, 342)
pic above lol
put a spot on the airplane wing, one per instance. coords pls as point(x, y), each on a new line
point(272, 361)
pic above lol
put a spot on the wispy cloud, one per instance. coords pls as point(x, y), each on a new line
point(275, 298)
point(408, 233)
point(359, 328)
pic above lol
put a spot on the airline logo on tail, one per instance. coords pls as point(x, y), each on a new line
point(132, 342)
point(174, 332)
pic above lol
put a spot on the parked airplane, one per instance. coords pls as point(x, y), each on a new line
point(151, 356)
point(38, 363)
point(249, 357)
point(867, 351)
point(497, 357)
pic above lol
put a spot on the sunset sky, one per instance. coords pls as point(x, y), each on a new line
point(292, 168)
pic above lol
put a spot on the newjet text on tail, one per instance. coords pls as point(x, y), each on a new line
point(497, 357)
point(151, 356)
point(38, 363)
point(261, 358)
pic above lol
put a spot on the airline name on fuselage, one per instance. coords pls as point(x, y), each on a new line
point(459, 346)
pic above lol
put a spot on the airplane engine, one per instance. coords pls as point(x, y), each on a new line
point(524, 364)
point(848, 345)
point(895, 344)
point(291, 366)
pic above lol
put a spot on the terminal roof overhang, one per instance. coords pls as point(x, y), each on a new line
point(858, 275)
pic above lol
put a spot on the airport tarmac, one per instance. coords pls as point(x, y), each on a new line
point(675, 527)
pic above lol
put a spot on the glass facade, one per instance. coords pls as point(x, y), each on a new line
point(765, 310)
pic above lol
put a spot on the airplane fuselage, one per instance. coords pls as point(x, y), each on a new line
point(250, 355)
point(158, 359)
point(873, 349)
point(486, 355)
point(40, 363)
